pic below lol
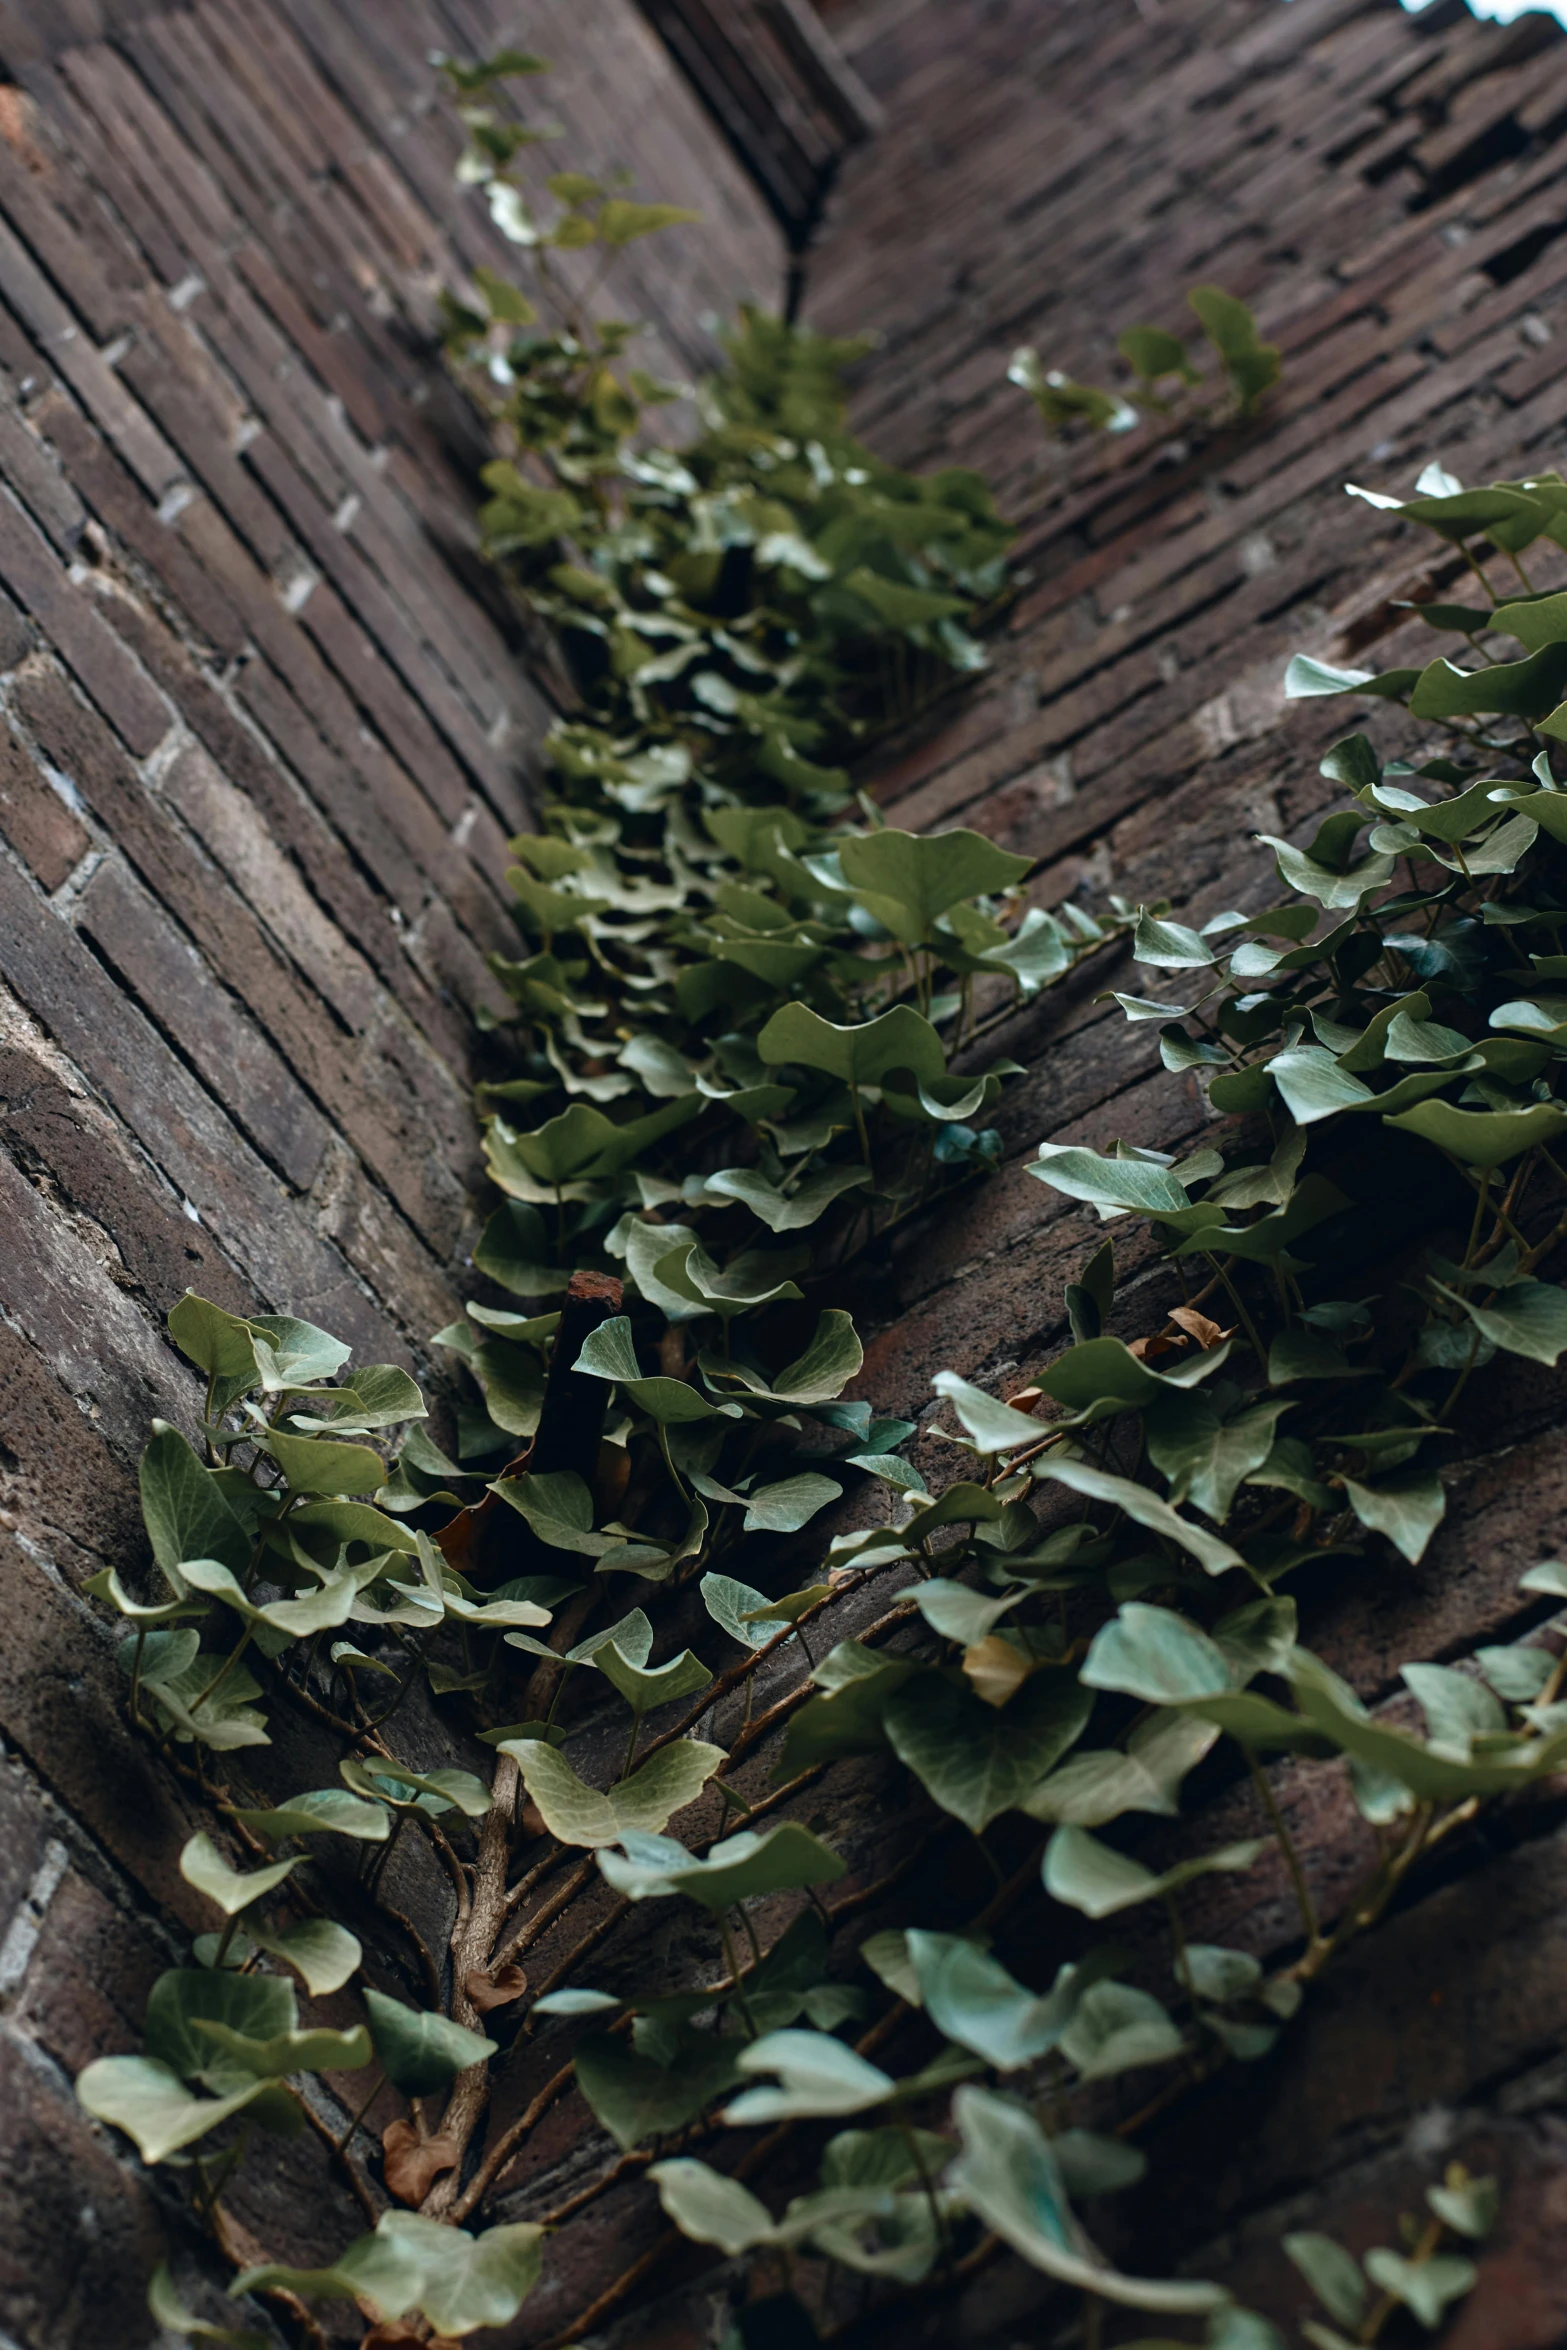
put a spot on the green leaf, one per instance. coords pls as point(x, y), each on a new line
point(1468, 2206)
point(332, 1602)
point(1406, 1509)
point(166, 2307)
point(1483, 1138)
point(184, 1508)
point(1061, 402)
point(856, 1055)
point(1526, 1318)
point(636, 2096)
point(789, 1211)
point(1332, 2273)
point(313, 1465)
point(1169, 946)
point(648, 1800)
point(1252, 365)
point(1342, 887)
point(295, 1354)
point(976, 1760)
point(324, 1810)
point(971, 1997)
point(1426, 2287)
point(559, 1508)
point(817, 2075)
point(740, 1610)
point(202, 1865)
point(790, 1504)
point(324, 1954)
point(610, 1353)
point(907, 880)
point(1154, 353)
point(1154, 1654)
point(515, 1252)
point(288, 2052)
point(152, 2105)
point(619, 220)
point(381, 1396)
point(1521, 689)
point(777, 1860)
point(1009, 2177)
point(710, 2208)
point(1314, 1084)
point(260, 2007)
point(1099, 1881)
point(1116, 1184)
point(1205, 1457)
point(1091, 1789)
point(994, 1426)
point(462, 2283)
point(1211, 1552)
point(1119, 2029)
point(218, 1343)
point(645, 1687)
point(422, 2052)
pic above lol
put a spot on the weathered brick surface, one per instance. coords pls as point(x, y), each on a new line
point(264, 728)
point(264, 725)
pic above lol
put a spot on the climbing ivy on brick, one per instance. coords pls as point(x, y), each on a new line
point(737, 1017)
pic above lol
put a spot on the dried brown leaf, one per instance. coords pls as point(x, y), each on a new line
point(995, 1669)
point(411, 2164)
point(1207, 1334)
point(486, 1991)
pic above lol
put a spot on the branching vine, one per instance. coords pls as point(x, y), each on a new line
point(740, 1012)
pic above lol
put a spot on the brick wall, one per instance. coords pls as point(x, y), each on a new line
point(263, 728)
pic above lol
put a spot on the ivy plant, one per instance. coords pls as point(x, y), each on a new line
point(738, 1011)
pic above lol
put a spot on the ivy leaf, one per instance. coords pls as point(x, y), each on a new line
point(610, 1353)
point(907, 880)
point(421, 2051)
point(777, 1860)
point(1483, 1138)
point(1119, 2029)
point(183, 1505)
point(461, 2282)
point(856, 1055)
point(202, 1865)
point(1010, 2179)
point(1211, 1551)
point(817, 2075)
point(790, 1504)
point(1112, 1185)
point(832, 1359)
point(313, 1465)
point(1332, 2273)
point(711, 2209)
point(260, 2007)
point(324, 1810)
point(166, 2307)
point(1088, 1790)
point(645, 1687)
point(971, 1997)
point(1425, 2287)
point(1406, 1509)
point(152, 2105)
point(648, 1800)
point(218, 1343)
point(994, 1426)
point(1206, 1457)
point(636, 2097)
point(295, 1354)
point(1094, 1878)
point(788, 1211)
point(972, 1759)
point(740, 1610)
point(559, 1508)
point(620, 221)
point(324, 1954)
point(288, 2052)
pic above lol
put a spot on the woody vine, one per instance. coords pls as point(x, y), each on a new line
point(750, 1040)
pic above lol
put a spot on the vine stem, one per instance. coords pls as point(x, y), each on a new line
point(1286, 1844)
